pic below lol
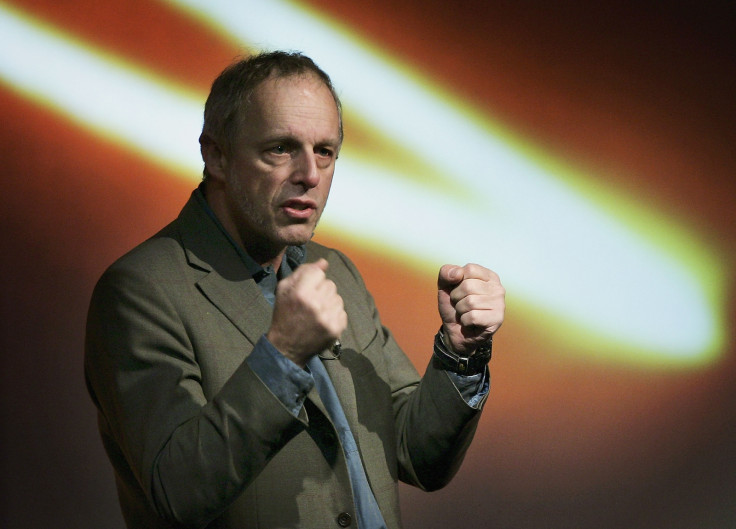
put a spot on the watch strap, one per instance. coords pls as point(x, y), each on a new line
point(462, 365)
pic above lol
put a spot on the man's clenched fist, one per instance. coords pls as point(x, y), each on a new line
point(471, 304)
point(308, 314)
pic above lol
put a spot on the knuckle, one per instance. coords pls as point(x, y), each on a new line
point(478, 271)
point(471, 267)
point(470, 303)
point(456, 297)
point(469, 318)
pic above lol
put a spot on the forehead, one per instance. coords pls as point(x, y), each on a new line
point(297, 103)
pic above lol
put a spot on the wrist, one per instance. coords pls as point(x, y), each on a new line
point(470, 364)
point(282, 346)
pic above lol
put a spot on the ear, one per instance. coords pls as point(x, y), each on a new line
point(215, 161)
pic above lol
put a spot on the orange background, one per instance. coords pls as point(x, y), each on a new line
point(641, 96)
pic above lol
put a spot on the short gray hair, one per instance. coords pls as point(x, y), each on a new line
point(231, 91)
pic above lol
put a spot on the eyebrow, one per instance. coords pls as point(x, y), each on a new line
point(288, 139)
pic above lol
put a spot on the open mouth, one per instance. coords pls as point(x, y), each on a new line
point(299, 209)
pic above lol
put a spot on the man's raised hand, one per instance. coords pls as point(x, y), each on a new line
point(471, 304)
point(308, 314)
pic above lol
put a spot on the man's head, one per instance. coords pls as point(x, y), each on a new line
point(232, 90)
point(269, 173)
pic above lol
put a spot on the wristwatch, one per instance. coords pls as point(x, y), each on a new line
point(462, 365)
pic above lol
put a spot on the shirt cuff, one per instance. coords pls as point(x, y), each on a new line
point(472, 388)
point(287, 381)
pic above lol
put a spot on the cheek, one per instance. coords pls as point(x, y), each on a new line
point(262, 191)
point(324, 186)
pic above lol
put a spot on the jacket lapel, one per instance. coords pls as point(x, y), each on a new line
point(223, 277)
point(225, 281)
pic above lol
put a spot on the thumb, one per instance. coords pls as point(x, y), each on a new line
point(449, 276)
point(322, 264)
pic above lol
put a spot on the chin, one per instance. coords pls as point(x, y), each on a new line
point(297, 237)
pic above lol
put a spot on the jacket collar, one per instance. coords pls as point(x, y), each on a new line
point(225, 281)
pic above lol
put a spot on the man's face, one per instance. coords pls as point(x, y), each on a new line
point(279, 172)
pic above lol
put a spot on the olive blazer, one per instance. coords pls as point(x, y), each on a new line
point(196, 439)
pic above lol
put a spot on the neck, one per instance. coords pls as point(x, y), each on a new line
point(259, 254)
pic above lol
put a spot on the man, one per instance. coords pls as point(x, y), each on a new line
point(242, 375)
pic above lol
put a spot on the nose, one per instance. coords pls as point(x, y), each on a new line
point(306, 171)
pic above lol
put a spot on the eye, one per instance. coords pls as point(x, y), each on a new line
point(325, 152)
point(278, 149)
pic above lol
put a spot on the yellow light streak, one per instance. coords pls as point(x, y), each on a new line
point(584, 275)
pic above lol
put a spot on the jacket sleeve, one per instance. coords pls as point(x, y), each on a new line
point(190, 456)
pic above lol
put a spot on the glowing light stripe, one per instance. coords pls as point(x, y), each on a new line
point(529, 227)
point(551, 245)
point(100, 91)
